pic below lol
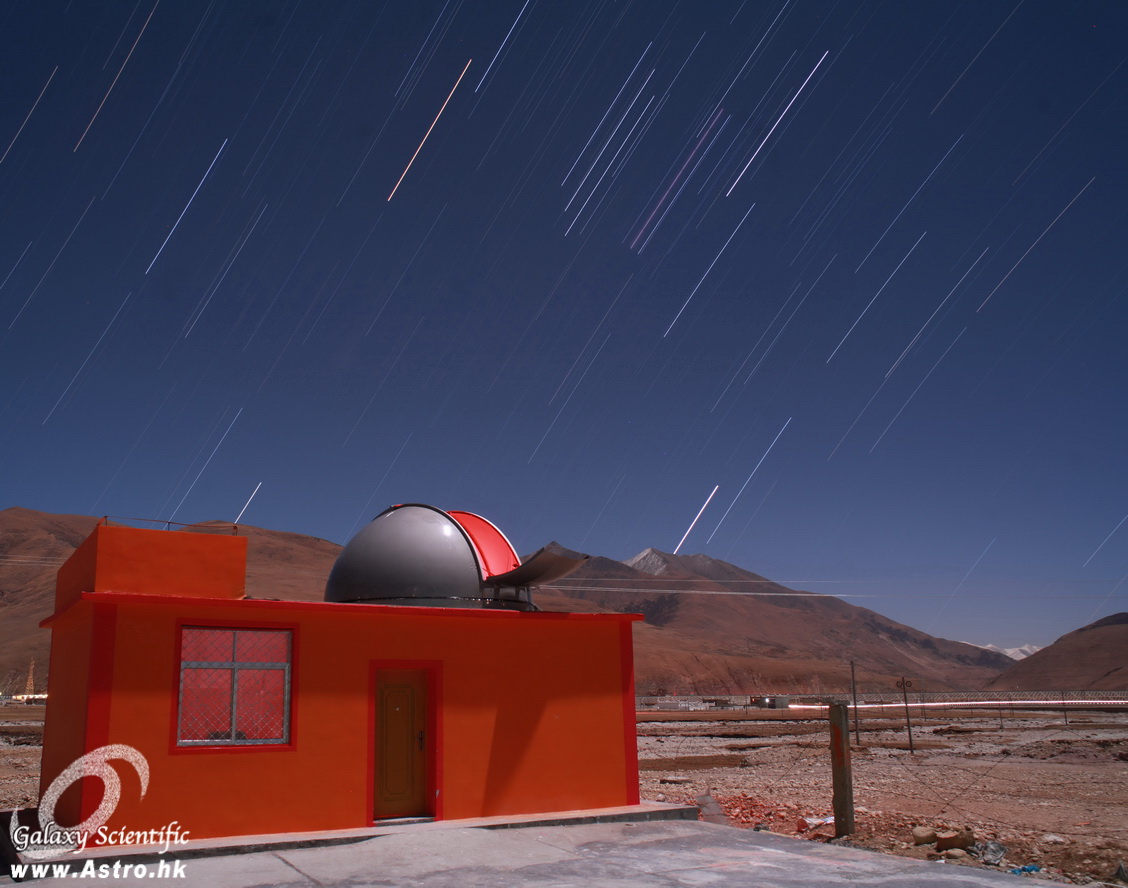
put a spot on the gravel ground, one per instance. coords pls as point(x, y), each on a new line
point(1055, 794)
point(21, 736)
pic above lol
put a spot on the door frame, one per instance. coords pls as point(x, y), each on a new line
point(433, 670)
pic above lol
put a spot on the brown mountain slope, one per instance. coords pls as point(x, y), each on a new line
point(32, 546)
point(750, 635)
point(1092, 658)
point(770, 633)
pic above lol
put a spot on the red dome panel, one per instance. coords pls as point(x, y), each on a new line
point(497, 554)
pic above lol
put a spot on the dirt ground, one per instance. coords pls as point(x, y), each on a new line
point(1055, 794)
point(21, 738)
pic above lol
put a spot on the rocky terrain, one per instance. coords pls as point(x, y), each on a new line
point(1053, 794)
point(21, 746)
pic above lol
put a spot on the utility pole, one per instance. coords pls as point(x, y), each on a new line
point(841, 778)
point(904, 684)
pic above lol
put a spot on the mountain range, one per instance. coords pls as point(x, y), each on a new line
point(710, 627)
point(1092, 658)
point(713, 627)
point(1015, 653)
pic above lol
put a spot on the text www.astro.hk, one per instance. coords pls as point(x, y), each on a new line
point(165, 869)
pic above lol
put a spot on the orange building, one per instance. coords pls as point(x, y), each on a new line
point(262, 716)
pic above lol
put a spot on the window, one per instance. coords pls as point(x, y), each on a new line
point(234, 687)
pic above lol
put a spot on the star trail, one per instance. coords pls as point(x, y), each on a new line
point(629, 245)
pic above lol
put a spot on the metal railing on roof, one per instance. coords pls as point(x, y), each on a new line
point(204, 527)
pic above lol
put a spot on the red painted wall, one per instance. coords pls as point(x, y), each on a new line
point(64, 729)
point(533, 712)
point(154, 562)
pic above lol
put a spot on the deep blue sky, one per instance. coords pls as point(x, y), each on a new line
point(641, 239)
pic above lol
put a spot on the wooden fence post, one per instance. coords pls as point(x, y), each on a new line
point(841, 778)
point(904, 684)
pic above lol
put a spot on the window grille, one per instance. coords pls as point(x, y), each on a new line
point(234, 687)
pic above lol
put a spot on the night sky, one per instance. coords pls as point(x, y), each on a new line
point(860, 267)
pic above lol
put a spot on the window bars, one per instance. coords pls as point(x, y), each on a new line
point(234, 687)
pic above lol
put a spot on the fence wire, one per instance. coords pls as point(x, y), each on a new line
point(234, 687)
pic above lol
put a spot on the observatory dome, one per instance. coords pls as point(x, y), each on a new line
point(416, 554)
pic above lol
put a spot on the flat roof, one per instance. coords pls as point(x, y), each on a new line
point(353, 608)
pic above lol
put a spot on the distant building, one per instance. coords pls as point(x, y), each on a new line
point(264, 716)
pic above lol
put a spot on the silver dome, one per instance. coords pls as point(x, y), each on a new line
point(416, 554)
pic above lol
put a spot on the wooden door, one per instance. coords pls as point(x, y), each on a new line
point(402, 745)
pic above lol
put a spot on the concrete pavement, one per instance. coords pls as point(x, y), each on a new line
point(649, 854)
